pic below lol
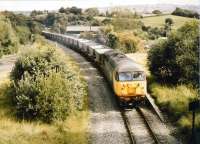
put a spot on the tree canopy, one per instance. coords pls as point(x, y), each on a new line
point(175, 60)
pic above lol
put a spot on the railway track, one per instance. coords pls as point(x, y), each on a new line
point(145, 127)
point(138, 128)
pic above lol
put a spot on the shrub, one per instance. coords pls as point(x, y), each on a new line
point(112, 40)
point(43, 86)
point(128, 42)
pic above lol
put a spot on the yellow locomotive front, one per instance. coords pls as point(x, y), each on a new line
point(130, 86)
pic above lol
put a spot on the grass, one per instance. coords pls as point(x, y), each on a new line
point(159, 21)
point(14, 131)
point(174, 101)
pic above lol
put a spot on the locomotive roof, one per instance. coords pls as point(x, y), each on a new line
point(101, 51)
point(121, 62)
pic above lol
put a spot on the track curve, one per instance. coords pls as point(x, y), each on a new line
point(106, 124)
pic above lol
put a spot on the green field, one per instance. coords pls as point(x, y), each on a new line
point(158, 21)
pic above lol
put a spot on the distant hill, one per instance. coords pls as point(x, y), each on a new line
point(148, 8)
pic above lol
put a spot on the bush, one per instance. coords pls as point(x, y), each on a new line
point(23, 34)
point(128, 42)
point(176, 59)
point(43, 86)
point(112, 40)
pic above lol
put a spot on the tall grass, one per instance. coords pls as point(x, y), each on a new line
point(13, 131)
point(73, 130)
point(174, 100)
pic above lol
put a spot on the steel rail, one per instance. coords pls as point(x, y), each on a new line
point(148, 126)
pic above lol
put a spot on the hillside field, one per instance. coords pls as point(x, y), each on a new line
point(158, 21)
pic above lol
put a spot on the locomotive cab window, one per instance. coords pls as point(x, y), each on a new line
point(138, 76)
point(130, 76)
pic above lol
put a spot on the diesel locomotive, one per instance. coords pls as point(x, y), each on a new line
point(125, 76)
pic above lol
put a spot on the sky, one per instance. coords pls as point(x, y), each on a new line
point(28, 5)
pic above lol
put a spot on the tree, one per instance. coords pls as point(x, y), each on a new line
point(92, 12)
point(75, 10)
point(185, 13)
point(175, 60)
point(57, 22)
point(62, 10)
point(35, 13)
point(169, 21)
point(158, 12)
point(168, 25)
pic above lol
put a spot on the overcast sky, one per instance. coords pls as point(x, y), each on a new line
point(25, 5)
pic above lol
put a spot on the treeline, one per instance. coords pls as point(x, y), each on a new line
point(58, 21)
point(175, 60)
point(185, 13)
point(16, 29)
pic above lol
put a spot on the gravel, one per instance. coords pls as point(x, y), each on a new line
point(6, 65)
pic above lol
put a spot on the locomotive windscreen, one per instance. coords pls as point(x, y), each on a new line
point(130, 76)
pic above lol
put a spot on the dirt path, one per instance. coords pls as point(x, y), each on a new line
point(6, 65)
point(106, 125)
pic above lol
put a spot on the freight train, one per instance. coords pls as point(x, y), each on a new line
point(125, 76)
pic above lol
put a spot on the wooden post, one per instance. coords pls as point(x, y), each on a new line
point(193, 128)
point(193, 106)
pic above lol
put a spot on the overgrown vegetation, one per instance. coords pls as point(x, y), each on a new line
point(174, 100)
point(44, 87)
point(16, 29)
